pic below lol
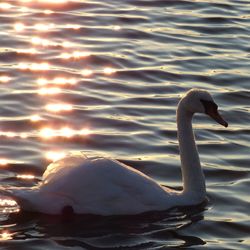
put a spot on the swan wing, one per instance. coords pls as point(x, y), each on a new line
point(101, 186)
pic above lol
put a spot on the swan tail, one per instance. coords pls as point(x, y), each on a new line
point(22, 196)
point(33, 200)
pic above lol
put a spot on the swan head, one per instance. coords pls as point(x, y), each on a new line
point(200, 101)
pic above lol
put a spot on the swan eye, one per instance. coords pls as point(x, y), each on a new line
point(209, 106)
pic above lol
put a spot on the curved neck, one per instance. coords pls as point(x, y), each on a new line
point(192, 175)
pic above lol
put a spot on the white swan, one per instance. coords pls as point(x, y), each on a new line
point(101, 186)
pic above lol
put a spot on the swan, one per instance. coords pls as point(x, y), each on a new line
point(103, 186)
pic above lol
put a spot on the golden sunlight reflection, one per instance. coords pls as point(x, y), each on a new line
point(11, 134)
point(7, 202)
point(39, 66)
point(39, 41)
point(5, 235)
point(5, 6)
point(65, 55)
point(63, 81)
point(48, 12)
point(19, 27)
point(3, 161)
point(58, 107)
point(43, 27)
point(109, 71)
point(25, 176)
point(23, 135)
point(28, 51)
point(4, 79)
point(55, 155)
point(66, 44)
point(78, 54)
point(66, 132)
point(35, 118)
point(56, 81)
point(73, 26)
point(7, 206)
point(49, 91)
point(24, 9)
point(87, 72)
point(47, 133)
point(42, 81)
point(47, 1)
point(34, 66)
point(85, 131)
point(75, 55)
point(45, 42)
point(117, 27)
point(23, 66)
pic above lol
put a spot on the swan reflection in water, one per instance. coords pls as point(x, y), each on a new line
point(144, 231)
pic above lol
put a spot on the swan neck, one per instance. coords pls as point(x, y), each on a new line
point(192, 175)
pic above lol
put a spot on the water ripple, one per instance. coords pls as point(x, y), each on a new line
point(121, 68)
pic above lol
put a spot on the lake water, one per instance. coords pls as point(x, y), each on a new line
point(105, 77)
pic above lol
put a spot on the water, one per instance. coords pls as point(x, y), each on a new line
point(105, 77)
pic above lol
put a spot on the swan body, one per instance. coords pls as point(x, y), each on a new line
point(102, 186)
point(93, 185)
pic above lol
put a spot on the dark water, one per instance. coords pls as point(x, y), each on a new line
point(119, 68)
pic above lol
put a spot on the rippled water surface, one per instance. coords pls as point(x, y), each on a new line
point(105, 77)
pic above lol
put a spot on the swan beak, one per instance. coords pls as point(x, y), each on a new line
point(211, 109)
point(218, 118)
